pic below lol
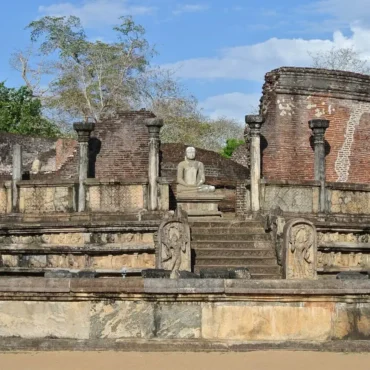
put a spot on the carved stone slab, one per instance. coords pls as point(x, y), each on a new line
point(300, 250)
point(174, 251)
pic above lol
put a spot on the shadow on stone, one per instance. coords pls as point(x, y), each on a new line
point(352, 275)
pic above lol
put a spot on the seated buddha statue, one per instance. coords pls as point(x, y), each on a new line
point(190, 175)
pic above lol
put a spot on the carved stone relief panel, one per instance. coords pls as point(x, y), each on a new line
point(300, 249)
point(174, 245)
point(45, 199)
point(288, 199)
point(116, 198)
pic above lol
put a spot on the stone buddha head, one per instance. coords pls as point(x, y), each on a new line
point(190, 153)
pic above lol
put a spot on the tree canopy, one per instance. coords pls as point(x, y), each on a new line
point(21, 113)
point(94, 80)
point(342, 59)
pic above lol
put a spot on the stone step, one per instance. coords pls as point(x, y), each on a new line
point(222, 223)
point(260, 270)
point(230, 237)
point(236, 253)
point(236, 261)
point(235, 244)
point(227, 230)
point(267, 276)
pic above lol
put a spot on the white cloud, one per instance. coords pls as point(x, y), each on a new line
point(190, 8)
point(251, 62)
point(343, 10)
point(96, 12)
point(233, 105)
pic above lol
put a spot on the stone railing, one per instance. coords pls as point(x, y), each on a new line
point(123, 196)
point(51, 196)
point(116, 196)
point(303, 197)
point(46, 196)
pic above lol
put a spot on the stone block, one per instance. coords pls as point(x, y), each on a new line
point(200, 205)
point(178, 320)
point(288, 199)
point(351, 321)
point(122, 320)
point(214, 273)
point(352, 275)
point(180, 286)
point(241, 273)
point(52, 274)
point(44, 319)
point(155, 274)
point(225, 273)
point(107, 285)
point(9, 260)
point(271, 321)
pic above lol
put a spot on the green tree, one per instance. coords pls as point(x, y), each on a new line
point(21, 113)
point(231, 144)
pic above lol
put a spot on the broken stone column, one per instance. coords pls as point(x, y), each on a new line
point(16, 175)
point(318, 127)
point(255, 122)
point(154, 127)
point(83, 131)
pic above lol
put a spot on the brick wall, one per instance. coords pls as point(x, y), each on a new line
point(124, 151)
point(292, 97)
point(33, 147)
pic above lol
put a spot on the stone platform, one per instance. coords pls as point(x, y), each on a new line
point(200, 204)
point(88, 313)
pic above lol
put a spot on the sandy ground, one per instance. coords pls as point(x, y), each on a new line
point(274, 360)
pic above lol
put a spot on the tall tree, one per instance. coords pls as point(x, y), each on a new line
point(97, 79)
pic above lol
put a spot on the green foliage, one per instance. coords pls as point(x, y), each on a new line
point(21, 113)
point(231, 144)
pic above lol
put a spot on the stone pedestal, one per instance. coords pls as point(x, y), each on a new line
point(200, 205)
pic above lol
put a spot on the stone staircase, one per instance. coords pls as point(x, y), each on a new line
point(233, 243)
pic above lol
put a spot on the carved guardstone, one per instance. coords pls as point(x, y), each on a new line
point(174, 251)
point(300, 250)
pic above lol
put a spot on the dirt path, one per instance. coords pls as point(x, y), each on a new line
point(274, 360)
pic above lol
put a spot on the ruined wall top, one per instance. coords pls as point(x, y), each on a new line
point(305, 81)
point(294, 96)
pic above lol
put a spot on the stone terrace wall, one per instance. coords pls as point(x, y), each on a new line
point(292, 97)
point(200, 311)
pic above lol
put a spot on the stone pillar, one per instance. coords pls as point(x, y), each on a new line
point(154, 127)
point(83, 131)
point(16, 175)
point(318, 127)
point(255, 122)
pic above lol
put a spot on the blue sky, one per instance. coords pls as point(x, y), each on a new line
point(219, 49)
